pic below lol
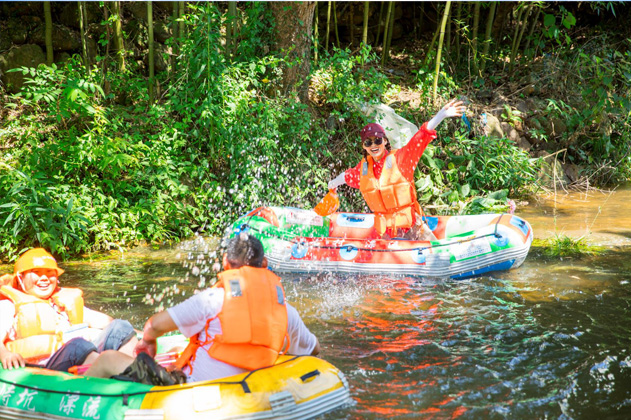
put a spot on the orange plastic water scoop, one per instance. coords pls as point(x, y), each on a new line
point(328, 205)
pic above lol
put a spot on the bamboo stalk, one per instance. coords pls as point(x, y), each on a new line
point(230, 29)
point(151, 52)
point(316, 35)
point(365, 31)
point(337, 35)
point(328, 27)
point(379, 24)
point(458, 24)
point(48, 33)
point(431, 45)
point(391, 30)
point(474, 36)
point(174, 27)
point(351, 27)
point(487, 35)
point(513, 49)
point(180, 16)
point(119, 43)
point(386, 29)
point(82, 20)
point(521, 32)
point(440, 46)
point(532, 28)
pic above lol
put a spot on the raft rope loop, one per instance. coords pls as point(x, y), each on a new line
point(418, 248)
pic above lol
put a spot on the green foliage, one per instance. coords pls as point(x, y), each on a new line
point(598, 135)
point(553, 31)
point(461, 169)
point(36, 211)
point(565, 246)
point(62, 92)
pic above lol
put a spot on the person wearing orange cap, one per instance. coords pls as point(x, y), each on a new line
point(385, 177)
point(37, 317)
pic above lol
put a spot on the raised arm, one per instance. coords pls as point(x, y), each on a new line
point(454, 108)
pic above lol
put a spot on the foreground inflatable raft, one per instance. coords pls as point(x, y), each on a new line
point(301, 241)
point(298, 387)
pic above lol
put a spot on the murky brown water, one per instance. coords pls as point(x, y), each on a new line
point(551, 339)
point(605, 217)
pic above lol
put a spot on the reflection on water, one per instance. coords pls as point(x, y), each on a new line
point(551, 339)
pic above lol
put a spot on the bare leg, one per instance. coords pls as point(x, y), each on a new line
point(109, 363)
point(128, 348)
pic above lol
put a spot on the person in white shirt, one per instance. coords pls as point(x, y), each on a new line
point(246, 305)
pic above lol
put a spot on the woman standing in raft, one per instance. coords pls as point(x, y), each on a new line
point(385, 177)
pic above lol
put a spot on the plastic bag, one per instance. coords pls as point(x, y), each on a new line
point(398, 129)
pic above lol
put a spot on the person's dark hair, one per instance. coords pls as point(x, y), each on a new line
point(245, 249)
point(388, 148)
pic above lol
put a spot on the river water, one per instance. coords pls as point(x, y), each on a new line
point(551, 339)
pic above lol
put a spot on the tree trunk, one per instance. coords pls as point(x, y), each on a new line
point(293, 29)
point(365, 31)
point(82, 21)
point(386, 30)
point(151, 61)
point(440, 47)
point(474, 36)
point(119, 44)
point(487, 35)
point(48, 34)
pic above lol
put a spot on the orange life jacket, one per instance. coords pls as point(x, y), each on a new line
point(37, 332)
point(253, 321)
point(392, 197)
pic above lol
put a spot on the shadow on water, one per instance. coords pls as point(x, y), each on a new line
point(551, 339)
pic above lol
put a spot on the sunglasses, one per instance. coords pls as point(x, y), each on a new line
point(369, 142)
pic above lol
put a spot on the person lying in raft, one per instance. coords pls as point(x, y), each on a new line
point(240, 324)
point(37, 317)
point(385, 177)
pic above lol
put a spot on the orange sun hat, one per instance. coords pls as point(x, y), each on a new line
point(36, 258)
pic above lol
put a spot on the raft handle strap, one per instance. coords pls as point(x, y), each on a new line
point(245, 387)
point(309, 375)
point(125, 400)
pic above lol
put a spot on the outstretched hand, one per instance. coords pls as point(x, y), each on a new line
point(453, 108)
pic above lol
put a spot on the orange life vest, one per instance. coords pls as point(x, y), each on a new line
point(37, 332)
point(253, 321)
point(392, 197)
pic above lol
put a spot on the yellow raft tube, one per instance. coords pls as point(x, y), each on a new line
point(296, 387)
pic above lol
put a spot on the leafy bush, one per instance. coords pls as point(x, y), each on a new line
point(457, 169)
